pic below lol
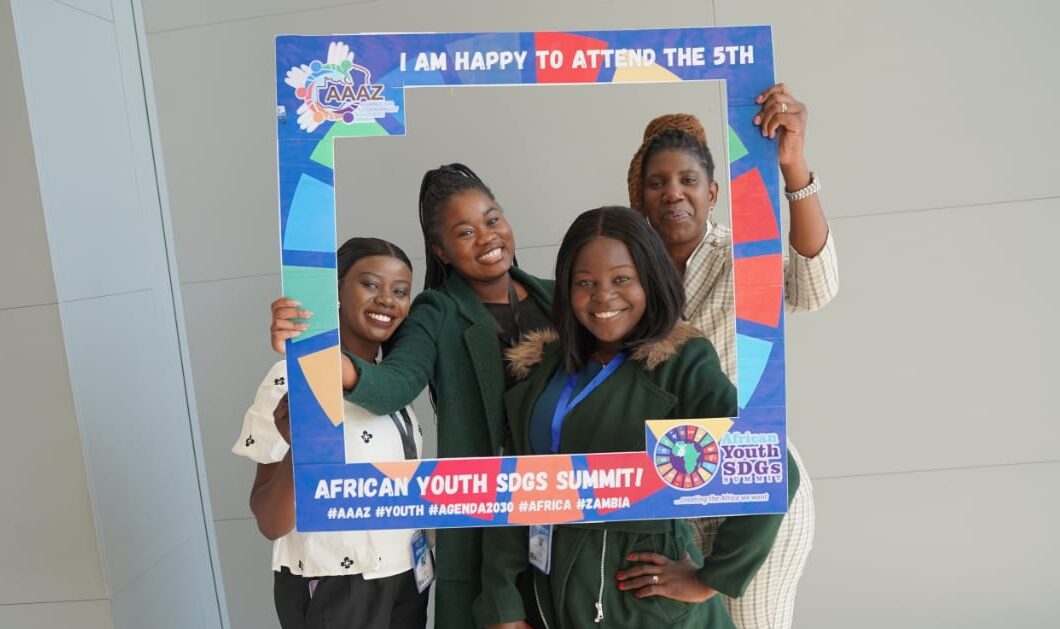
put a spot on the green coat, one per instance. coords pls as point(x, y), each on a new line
point(450, 341)
point(677, 377)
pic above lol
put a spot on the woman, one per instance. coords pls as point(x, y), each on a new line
point(361, 579)
point(621, 353)
point(671, 182)
point(476, 301)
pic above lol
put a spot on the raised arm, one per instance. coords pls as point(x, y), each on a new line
point(408, 366)
point(811, 275)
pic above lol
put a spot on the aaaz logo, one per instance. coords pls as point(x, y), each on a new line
point(339, 96)
point(337, 90)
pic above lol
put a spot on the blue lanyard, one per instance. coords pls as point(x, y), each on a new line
point(565, 404)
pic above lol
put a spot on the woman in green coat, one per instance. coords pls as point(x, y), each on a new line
point(623, 354)
point(476, 302)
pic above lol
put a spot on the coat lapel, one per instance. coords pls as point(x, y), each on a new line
point(480, 339)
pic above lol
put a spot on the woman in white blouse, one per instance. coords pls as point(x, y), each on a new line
point(360, 579)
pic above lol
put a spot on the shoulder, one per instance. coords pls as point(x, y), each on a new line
point(684, 337)
point(527, 355)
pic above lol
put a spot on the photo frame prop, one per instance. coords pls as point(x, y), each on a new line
point(348, 86)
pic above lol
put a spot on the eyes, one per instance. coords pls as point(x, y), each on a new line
point(686, 180)
point(373, 286)
point(467, 231)
point(589, 283)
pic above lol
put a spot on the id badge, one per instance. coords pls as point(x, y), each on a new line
point(422, 561)
point(541, 547)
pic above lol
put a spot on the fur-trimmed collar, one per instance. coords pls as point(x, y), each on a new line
point(531, 351)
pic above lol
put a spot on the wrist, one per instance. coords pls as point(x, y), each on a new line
point(796, 175)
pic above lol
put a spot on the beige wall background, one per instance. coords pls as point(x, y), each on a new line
point(921, 399)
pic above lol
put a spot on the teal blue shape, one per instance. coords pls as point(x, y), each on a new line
point(324, 153)
point(311, 219)
point(753, 355)
point(736, 147)
point(318, 290)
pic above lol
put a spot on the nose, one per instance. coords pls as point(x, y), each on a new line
point(672, 192)
point(384, 298)
point(602, 293)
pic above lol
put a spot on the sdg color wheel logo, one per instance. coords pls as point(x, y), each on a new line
point(686, 457)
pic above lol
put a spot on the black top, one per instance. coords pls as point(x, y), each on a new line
point(513, 324)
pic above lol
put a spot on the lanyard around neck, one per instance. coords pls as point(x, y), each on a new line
point(565, 404)
point(404, 428)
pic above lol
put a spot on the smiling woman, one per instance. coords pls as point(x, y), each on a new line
point(341, 571)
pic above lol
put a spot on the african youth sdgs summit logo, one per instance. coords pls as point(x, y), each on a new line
point(688, 456)
point(337, 90)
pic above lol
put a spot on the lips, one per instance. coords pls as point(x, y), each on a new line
point(676, 216)
point(380, 319)
point(492, 256)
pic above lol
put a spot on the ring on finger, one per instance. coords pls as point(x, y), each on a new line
point(655, 579)
point(783, 108)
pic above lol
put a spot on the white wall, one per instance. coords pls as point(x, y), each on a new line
point(113, 298)
point(51, 576)
point(920, 399)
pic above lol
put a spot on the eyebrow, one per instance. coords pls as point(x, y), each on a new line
point(617, 266)
point(492, 208)
point(376, 275)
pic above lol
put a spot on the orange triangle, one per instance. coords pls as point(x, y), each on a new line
point(323, 372)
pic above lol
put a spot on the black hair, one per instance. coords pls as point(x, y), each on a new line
point(681, 140)
point(663, 290)
point(356, 248)
point(438, 186)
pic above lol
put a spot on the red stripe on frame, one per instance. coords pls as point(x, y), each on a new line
point(752, 213)
point(568, 45)
point(759, 288)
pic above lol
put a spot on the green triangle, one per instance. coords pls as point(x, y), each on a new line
point(324, 153)
point(736, 147)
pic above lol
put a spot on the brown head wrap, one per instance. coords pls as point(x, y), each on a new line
point(686, 123)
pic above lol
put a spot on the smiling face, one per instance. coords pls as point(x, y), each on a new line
point(375, 295)
point(606, 295)
point(678, 196)
point(475, 238)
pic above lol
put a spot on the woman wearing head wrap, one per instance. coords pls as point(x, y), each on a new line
point(671, 182)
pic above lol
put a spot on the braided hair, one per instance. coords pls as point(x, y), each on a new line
point(670, 131)
point(438, 186)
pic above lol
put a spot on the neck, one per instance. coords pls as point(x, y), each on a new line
point(680, 254)
point(604, 352)
point(492, 291)
point(361, 348)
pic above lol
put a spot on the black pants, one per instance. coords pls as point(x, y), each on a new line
point(349, 602)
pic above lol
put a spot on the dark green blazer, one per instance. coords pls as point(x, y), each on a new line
point(450, 341)
point(677, 377)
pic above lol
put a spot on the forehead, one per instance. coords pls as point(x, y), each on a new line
point(466, 204)
point(384, 266)
point(672, 160)
point(602, 253)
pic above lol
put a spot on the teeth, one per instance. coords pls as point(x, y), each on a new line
point(380, 317)
point(491, 256)
point(607, 315)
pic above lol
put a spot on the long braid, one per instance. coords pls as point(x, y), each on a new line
point(437, 187)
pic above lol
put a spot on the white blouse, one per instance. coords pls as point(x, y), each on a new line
point(368, 437)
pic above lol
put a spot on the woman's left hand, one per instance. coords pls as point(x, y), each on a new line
point(783, 117)
point(658, 575)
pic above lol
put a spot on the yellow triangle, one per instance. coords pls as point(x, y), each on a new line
point(323, 372)
point(716, 427)
point(397, 469)
point(651, 74)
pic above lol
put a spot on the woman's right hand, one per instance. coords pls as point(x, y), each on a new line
point(283, 310)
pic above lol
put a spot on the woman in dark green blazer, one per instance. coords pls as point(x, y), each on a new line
point(476, 303)
point(618, 299)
